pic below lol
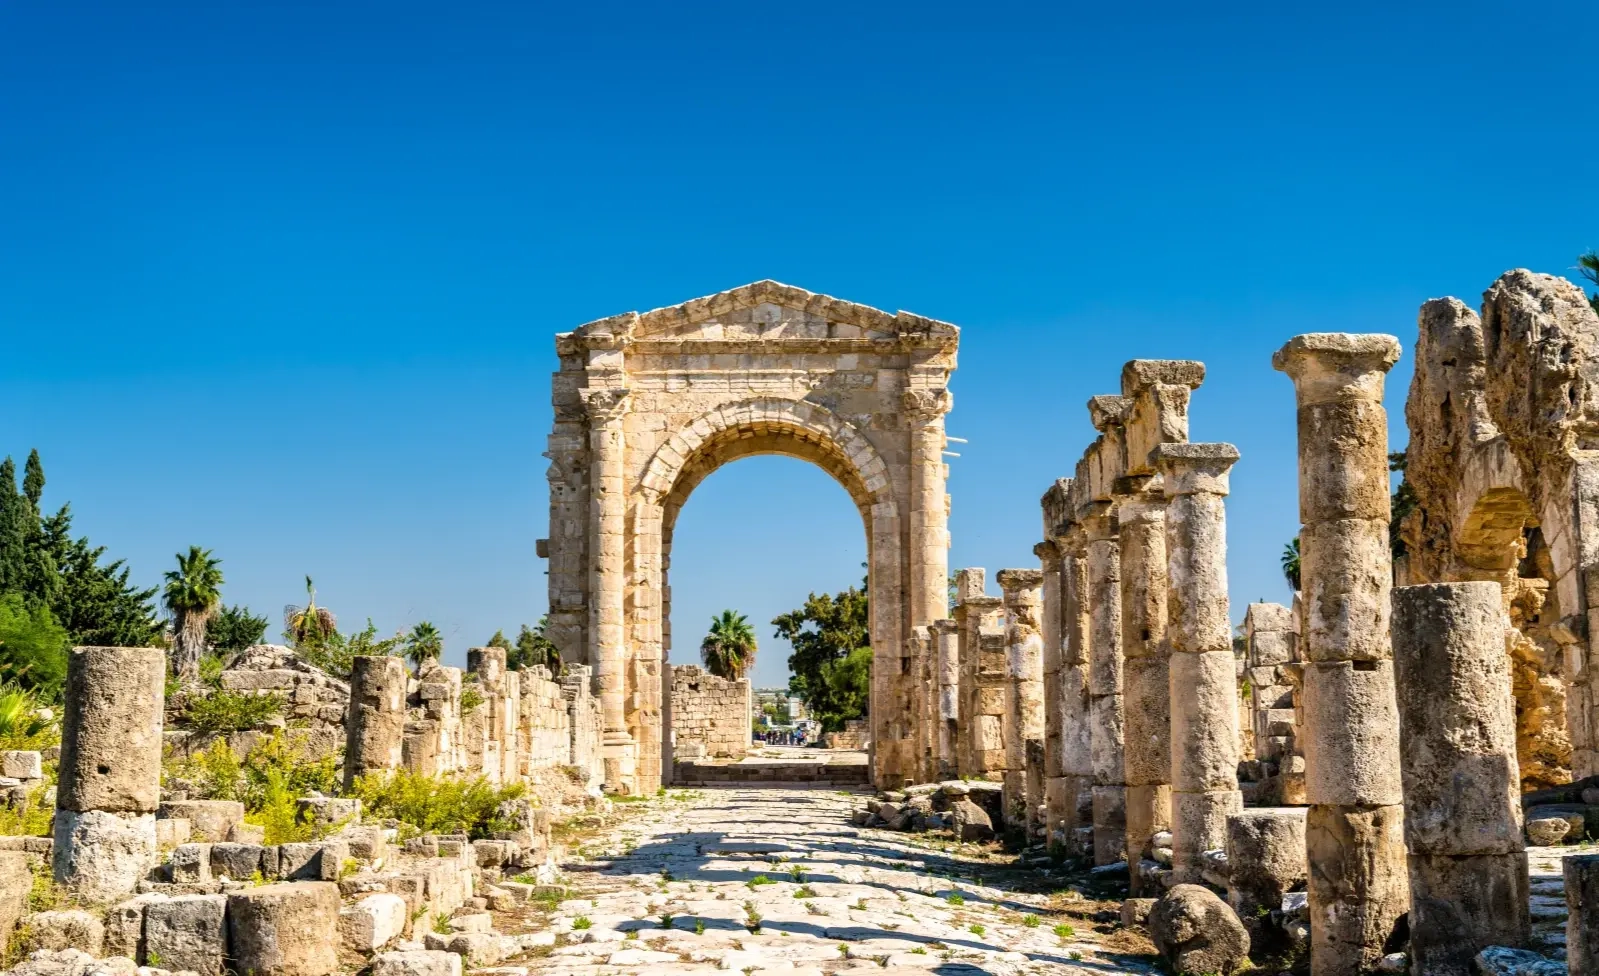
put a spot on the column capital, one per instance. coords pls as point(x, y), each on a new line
point(1046, 550)
point(969, 583)
point(1192, 469)
point(1015, 581)
point(1106, 410)
point(926, 406)
point(1139, 375)
point(1099, 522)
point(943, 625)
point(606, 405)
point(1337, 365)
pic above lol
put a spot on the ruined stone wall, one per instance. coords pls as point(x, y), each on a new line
point(1273, 674)
point(311, 696)
point(710, 715)
point(1503, 411)
point(545, 725)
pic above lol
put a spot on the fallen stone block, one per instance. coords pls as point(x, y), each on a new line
point(190, 864)
point(187, 933)
point(16, 880)
point(421, 962)
point(1135, 911)
point(239, 862)
point(288, 929)
point(171, 833)
point(209, 820)
point(22, 764)
point(73, 929)
point(373, 922)
point(1195, 932)
point(311, 862)
point(124, 926)
point(1547, 831)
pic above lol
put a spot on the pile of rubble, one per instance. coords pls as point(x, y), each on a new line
point(967, 810)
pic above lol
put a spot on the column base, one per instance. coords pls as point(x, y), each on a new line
point(620, 755)
point(1359, 887)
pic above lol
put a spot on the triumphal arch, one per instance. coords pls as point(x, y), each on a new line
point(647, 405)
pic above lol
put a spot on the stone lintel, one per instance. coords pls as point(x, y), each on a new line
point(1011, 580)
point(1139, 375)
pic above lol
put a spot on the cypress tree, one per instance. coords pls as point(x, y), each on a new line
point(13, 530)
point(33, 480)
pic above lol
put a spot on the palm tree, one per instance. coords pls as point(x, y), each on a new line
point(1588, 264)
point(729, 648)
point(423, 644)
point(1290, 563)
point(309, 624)
point(193, 593)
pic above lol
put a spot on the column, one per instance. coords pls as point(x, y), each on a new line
point(1141, 514)
point(1076, 716)
point(1462, 784)
point(1354, 831)
point(1054, 816)
point(969, 586)
point(110, 771)
point(375, 722)
point(1204, 689)
point(929, 514)
point(607, 581)
point(1024, 744)
point(947, 639)
point(1582, 912)
point(1105, 685)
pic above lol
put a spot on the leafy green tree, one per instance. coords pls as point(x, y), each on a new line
point(823, 632)
point(13, 530)
point(1588, 265)
point(499, 640)
point(233, 629)
point(423, 644)
point(534, 649)
point(96, 603)
point(1290, 563)
point(729, 648)
point(335, 653)
point(33, 647)
point(192, 594)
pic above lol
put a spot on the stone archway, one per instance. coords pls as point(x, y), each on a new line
point(647, 405)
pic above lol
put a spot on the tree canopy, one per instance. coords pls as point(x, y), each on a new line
point(831, 663)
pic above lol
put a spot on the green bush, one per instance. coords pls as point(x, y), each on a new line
point(21, 724)
point(268, 780)
point(33, 647)
point(230, 711)
point(434, 805)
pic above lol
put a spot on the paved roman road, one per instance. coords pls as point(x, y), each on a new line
point(777, 880)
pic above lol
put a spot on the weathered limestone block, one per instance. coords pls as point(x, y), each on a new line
point(1461, 905)
point(22, 764)
point(1110, 824)
point(285, 929)
point(209, 820)
point(102, 856)
point(1199, 823)
point(124, 926)
point(419, 962)
point(375, 724)
point(372, 922)
point(1202, 692)
point(172, 833)
point(1359, 883)
point(1148, 742)
point(190, 863)
point(317, 861)
point(1345, 573)
point(1458, 744)
point(1582, 908)
point(241, 862)
point(71, 929)
point(1266, 859)
point(1195, 932)
point(188, 932)
point(16, 881)
point(1351, 734)
point(111, 730)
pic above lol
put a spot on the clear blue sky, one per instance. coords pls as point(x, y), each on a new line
point(282, 279)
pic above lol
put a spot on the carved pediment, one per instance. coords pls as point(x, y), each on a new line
point(764, 310)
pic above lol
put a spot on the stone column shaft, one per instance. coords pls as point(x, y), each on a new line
point(1105, 686)
point(947, 638)
point(1024, 744)
point(1076, 716)
point(607, 581)
point(1360, 885)
point(1462, 784)
point(1054, 816)
point(1582, 913)
point(110, 771)
point(375, 723)
point(1145, 683)
point(1203, 686)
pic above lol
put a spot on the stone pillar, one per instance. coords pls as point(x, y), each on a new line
point(929, 513)
point(110, 771)
point(1024, 745)
point(1354, 831)
point(375, 722)
point(607, 581)
point(1054, 815)
point(1076, 714)
point(1105, 685)
point(1462, 784)
point(1204, 680)
point(947, 638)
point(1141, 514)
point(1582, 913)
point(969, 597)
